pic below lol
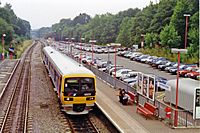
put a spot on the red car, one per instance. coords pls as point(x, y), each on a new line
point(193, 74)
point(187, 70)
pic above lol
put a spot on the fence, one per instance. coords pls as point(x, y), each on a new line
point(185, 118)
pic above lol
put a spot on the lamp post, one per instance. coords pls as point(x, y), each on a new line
point(92, 41)
point(71, 46)
point(3, 36)
point(108, 45)
point(81, 48)
point(186, 28)
point(115, 45)
point(142, 40)
point(174, 50)
point(66, 39)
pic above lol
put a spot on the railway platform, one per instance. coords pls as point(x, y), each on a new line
point(7, 67)
point(125, 118)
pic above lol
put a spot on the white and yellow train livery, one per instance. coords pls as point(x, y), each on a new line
point(75, 84)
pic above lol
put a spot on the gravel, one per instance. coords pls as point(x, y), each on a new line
point(44, 113)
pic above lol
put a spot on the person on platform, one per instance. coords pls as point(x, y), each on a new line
point(120, 95)
point(125, 98)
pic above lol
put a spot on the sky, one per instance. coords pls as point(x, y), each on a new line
point(44, 13)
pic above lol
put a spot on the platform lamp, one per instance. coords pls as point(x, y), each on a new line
point(186, 28)
point(184, 51)
point(82, 39)
point(142, 40)
point(92, 41)
point(71, 48)
point(66, 39)
point(3, 36)
point(115, 45)
point(108, 45)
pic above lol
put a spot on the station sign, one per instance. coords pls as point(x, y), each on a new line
point(196, 110)
point(164, 86)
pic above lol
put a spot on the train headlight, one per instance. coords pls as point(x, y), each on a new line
point(90, 98)
point(68, 99)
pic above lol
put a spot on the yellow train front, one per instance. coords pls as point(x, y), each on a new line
point(74, 84)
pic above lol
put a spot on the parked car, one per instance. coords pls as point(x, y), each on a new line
point(131, 81)
point(174, 70)
point(168, 64)
point(141, 57)
point(134, 55)
point(193, 74)
point(120, 72)
point(113, 69)
point(144, 60)
point(187, 70)
point(131, 74)
point(173, 66)
point(102, 64)
point(155, 61)
point(86, 60)
point(160, 62)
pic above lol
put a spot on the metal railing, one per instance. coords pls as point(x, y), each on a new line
point(185, 118)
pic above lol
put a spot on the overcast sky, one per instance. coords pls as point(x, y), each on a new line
point(43, 13)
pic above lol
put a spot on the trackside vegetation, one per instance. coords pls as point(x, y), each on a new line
point(16, 30)
point(162, 24)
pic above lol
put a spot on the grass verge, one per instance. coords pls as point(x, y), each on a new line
point(21, 47)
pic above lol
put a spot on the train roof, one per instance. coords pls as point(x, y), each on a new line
point(186, 85)
point(65, 64)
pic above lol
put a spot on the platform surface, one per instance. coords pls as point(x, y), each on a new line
point(125, 118)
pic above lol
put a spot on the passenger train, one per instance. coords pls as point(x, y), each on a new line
point(75, 85)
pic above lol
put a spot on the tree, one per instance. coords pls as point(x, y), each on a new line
point(169, 37)
point(193, 36)
point(178, 19)
point(162, 17)
point(123, 36)
point(151, 39)
point(7, 29)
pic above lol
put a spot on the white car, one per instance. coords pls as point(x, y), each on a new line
point(131, 81)
point(86, 59)
point(131, 74)
point(120, 72)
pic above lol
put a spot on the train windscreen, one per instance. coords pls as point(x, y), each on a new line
point(79, 87)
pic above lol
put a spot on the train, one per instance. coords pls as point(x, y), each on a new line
point(74, 84)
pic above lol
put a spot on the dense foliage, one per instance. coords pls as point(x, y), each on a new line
point(163, 25)
point(15, 28)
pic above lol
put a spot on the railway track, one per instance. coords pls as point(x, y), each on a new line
point(16, 114)
point(81, 124)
